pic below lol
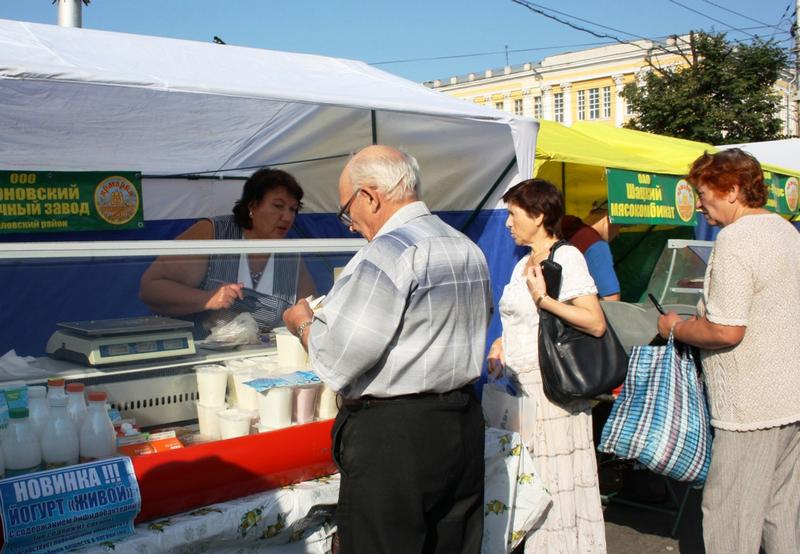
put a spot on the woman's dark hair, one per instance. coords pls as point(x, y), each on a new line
point(260, 183)
point(721, 171)
point(539, 197)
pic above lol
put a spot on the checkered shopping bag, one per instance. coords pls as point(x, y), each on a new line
point(660, 417)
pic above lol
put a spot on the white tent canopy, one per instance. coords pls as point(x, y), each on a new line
point(783, 153)
point(79, 99)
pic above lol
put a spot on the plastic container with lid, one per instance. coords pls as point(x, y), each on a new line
point(212, 381)
point(97, 436)
point(55, 387)
point(21, 451)
point(59, 440)
point(234, 423)
point(76, 403)
point(38, 408)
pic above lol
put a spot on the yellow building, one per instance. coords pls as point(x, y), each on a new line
point(583, 85)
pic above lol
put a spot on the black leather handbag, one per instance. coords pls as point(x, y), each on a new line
point(574, 364)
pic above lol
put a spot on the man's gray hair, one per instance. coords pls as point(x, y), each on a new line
point(396, 177)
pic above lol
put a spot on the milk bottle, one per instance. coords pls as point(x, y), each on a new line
point(21, 451)
point(38, 409)
point(97, 437)
point(76, 403)
point(60, 437)
point(55, 387)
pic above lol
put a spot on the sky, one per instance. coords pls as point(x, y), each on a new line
point(423, 39)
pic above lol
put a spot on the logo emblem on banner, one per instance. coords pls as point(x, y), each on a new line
point(116, 200)
point(791, 191)
point(684, 200)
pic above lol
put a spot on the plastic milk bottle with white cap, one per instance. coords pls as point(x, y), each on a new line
point(21, 451)
point(60, 437)
point(97, 436)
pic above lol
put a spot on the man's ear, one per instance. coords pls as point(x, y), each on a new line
point(373, 199)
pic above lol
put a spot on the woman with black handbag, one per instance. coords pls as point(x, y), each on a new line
point(562, 447)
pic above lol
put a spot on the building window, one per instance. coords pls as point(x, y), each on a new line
point(594, 103)
point(518, 106)
point(558, 107)
point(581, 105)
point(537, 107)
point(607, 102)
point(498, 105)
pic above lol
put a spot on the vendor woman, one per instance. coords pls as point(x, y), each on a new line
point(210, 288)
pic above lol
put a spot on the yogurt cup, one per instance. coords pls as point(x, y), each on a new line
point(290, 350)
point(234, 423)
point(305, 403)
point(208, 421)
point(275, 407)
point(327, 403)
point(212, 381)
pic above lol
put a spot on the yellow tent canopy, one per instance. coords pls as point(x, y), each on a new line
point(576, 158)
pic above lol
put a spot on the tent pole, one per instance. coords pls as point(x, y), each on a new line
point(486, 196)
point(374, 118)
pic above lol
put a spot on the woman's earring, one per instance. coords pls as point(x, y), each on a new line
point(250, 213)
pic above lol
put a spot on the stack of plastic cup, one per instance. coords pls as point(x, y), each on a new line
point(212, 382)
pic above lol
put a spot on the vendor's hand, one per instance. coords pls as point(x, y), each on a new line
point(496, 358)
point(534, 278)
point(666, 322)
point(224, 296)
point(297, 314)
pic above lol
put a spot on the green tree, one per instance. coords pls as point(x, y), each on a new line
point(721, 94)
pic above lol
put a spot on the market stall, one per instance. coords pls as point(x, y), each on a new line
point(115, 143)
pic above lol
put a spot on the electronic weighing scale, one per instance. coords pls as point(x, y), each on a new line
point(115, 341)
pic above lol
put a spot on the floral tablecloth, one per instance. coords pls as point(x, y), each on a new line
point(298, 518)
point(293, 519)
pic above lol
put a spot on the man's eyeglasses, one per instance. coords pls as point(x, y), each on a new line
point(344, 213)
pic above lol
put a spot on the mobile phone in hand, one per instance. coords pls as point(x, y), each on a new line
point(655, 303)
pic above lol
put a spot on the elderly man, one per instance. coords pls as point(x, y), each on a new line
point(401, 337)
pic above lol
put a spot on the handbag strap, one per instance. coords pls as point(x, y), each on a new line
point(556, 245)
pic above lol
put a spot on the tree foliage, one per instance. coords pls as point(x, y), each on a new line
point(721, 93)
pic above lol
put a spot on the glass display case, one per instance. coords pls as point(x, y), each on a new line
point(91, 290)
point(676, 282)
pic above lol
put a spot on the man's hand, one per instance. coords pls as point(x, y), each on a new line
point(297, 314)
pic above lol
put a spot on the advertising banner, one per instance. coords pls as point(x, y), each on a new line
point(41, 201)
point(649, 198)
point(783, 193)
point(61, 509)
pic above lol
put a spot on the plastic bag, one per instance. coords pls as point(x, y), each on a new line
point(242, 329)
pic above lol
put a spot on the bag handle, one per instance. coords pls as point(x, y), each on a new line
point(554, 247)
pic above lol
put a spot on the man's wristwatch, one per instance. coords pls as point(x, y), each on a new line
point(302, 327)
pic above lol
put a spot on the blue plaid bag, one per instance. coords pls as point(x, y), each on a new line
point(660, 417)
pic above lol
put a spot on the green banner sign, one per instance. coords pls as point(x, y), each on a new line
point(783, 193)
point(649, 198)
point(42, 201)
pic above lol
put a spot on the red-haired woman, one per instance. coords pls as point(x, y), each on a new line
point(748, 331)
